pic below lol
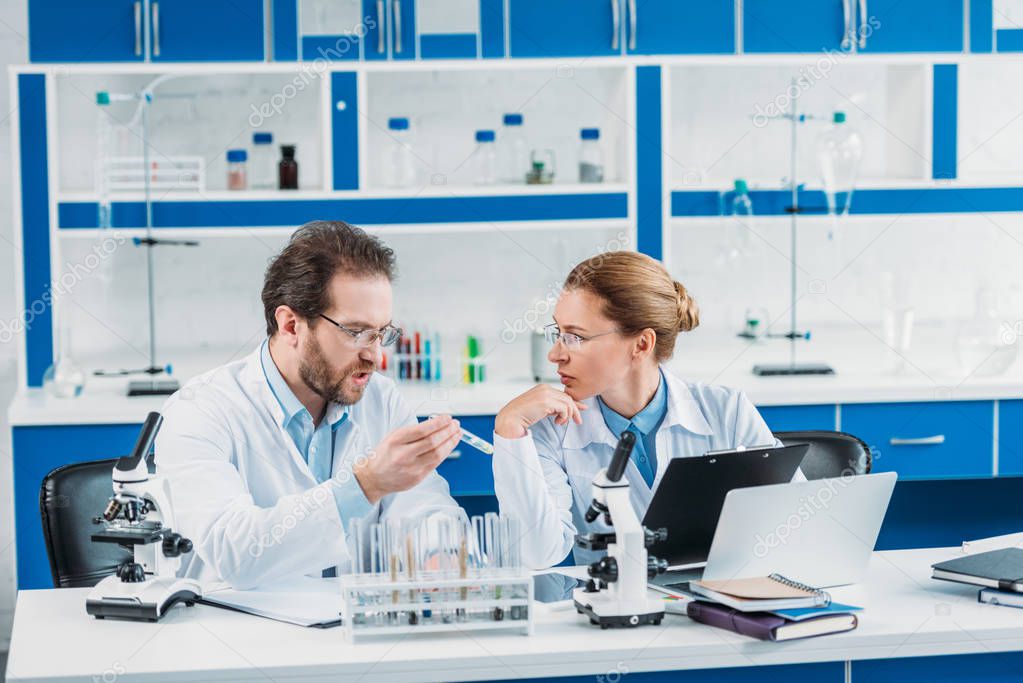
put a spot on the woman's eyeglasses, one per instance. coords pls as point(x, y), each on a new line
point(552, 333)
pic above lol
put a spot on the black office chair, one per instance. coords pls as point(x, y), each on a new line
point(831, 454)
point(70, 498)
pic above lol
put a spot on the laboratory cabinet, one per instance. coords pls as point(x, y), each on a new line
point(146, 30)
point(382, 30)
point(926, 440)
point(795, 25)
point(73, 31)
point(798, 418)
point(584, 28)
point(1010, 438)
point(911, 26)
point(669, 27)
point(817, 26)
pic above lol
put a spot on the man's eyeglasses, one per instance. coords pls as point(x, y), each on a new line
point(386, 335)
point(571, 341)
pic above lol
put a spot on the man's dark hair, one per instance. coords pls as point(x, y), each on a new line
point(298, 276)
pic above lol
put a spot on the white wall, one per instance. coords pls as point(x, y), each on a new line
point(13, 50)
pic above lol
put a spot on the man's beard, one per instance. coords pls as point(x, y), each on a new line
point(315, 371)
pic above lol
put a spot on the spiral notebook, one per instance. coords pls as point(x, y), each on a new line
point(761, 593)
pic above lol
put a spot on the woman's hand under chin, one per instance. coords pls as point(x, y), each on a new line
point(527, 409)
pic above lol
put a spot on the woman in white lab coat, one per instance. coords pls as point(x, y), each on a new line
point(615, 325)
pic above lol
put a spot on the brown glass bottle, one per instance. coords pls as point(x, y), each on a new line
point(287, 169)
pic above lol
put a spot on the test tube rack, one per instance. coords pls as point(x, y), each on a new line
point(375, 605)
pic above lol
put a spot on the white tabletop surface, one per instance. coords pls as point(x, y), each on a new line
point(907, 614)
point(867, 371)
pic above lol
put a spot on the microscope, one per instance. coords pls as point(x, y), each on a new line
point(140, 517)
point(616, 594)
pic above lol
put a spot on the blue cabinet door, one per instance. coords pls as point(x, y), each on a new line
point(390, 29)
point(798, 418)
point(911, 26)
point(1010, 438)
point(672, 27)
point(933, 440)
point(565, 28)
point(76, 31)
point(344, 90)
point(202, 31)
point(376, 34)
point(792, 25)
point(450, 29)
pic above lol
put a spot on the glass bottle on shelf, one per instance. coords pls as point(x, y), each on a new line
point(262, 171)
point(104, 143)
point(735, 239)
point(839, 151)
point(591, 157)
point(236, 175)
point(512, 155)
point(401, 167)
point(485, 158)
point(287, 169)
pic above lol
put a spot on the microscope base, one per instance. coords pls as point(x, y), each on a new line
point(609, 615)
point(144, 601)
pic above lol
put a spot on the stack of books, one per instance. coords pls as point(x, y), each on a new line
point(999, 573)
point(769, 608)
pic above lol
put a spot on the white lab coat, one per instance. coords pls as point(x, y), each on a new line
point(545, 478)
point(245, 496)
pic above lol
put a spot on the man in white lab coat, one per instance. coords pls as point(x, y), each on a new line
point(270, 458)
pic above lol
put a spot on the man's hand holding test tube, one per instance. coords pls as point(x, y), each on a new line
point(474, 441)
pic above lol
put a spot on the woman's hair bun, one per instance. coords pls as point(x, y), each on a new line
point(688, 311)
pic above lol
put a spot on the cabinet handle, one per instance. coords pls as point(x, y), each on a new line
point(847, 24)
point(156, 29)
point(616, 23)
point(863, 24)
point(138, 28)
point(397, 26)
point(921, 441)
point(381, 45)
point(633, 19)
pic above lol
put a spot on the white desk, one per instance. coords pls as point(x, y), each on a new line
point(907, 615)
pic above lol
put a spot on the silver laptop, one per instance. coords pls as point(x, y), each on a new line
point(819, 532)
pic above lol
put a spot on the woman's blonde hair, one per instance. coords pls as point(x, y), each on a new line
point(638, 293)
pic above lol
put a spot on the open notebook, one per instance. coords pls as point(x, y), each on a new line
point(305, 601)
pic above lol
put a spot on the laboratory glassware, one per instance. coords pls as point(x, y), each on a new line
point(839, 152)
point(236, 169)
point(263, 164)
point(591, 157)
point(485, 158)
point(512, 156)
point(401, 166)
point(64, 379)
point(287, 169)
